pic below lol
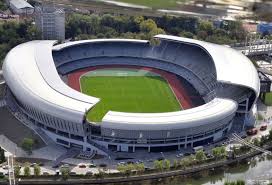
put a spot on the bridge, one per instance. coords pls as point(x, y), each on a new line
point(237, 138)
point(11, 170)
point(254, 45)
point(256, 49)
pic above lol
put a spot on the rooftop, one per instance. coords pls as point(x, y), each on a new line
point(20, 4)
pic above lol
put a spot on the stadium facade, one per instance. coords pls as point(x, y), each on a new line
point(225, 79)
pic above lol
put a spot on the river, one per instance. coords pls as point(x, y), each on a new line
point(257, 169)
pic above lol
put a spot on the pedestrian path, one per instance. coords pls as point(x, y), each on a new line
point(71, 153)
point(3, 103)
point(11, 147)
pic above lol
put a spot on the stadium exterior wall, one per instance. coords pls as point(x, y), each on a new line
point(39, 93)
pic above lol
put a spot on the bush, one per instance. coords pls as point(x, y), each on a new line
point(27, 145)
point(37, 170)
point(65, 173)
point(27, 170)
point(17, 171)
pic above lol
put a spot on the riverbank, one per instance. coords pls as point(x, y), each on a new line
point(149, 174)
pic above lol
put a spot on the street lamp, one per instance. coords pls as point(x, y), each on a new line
point(162, 155)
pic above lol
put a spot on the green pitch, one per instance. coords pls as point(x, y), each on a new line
point(141, 94)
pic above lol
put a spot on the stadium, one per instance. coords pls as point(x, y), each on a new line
point(126, 95)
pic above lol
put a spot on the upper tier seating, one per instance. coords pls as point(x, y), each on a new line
point(190, 58)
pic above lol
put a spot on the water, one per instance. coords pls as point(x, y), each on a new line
point(257, 169)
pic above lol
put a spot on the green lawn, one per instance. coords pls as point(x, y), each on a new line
point(154, 3)
point(142, 94)
point(268, 99)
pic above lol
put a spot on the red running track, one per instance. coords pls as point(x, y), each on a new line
point(175, 84)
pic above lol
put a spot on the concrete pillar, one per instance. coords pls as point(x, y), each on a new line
point(133, 148)
point(185, 144)
point(84, 144)
point(148, 148)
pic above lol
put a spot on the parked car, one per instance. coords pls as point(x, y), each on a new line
point(179, 155)
point(121, 163)
point(72, 173)
point(102, 165)
point(252, 132)
point(82, 166)
point(33, 164)
point(263, 127)
point(45, 173)
point(89, 173)
point(92, 165)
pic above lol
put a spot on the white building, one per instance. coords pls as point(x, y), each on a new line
point(51, 22)
point(21, 7)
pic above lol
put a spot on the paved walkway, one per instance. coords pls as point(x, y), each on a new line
point(11, 147)
point(2, 103)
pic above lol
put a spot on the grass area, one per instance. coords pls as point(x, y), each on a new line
point(154, 3)
point(141, 94)
point(268, 99)
point(259, 117)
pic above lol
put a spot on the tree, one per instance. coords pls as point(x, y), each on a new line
point(100, 173)
point(3, 5)
point(219, 152)
point(2, 155)
point(65, 172)
point(206, 26)
point(238, 182)
point(166, 164)
point(186, 34)
point(27, 144)
point(17, 170)
point(256, 142)
point(37, 170)
point(263, 140)
point(270, 135)
point(175, 164)
point(27, 170)
point(200, 156)
point(140, 167)
point(202, 35)
point(138, 19)
point(158, 164)
point(148, 25)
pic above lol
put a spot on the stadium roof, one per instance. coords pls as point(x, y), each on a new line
point(30, 72)
point(231, 66)
point(21, 4)
point(207, 113)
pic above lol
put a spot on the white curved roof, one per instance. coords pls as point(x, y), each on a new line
point(30, 73)
point(231, 66)
point(23, 76)
point(207, 113)
point(80, 42)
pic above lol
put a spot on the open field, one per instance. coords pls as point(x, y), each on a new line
point(142, 94)
point(268, 99)
point(154, 3)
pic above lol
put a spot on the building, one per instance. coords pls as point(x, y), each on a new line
point(21, 7)
point(264, 28)
point(226, 80)
point(51, 22)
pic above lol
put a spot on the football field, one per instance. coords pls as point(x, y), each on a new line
point(128, 93)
